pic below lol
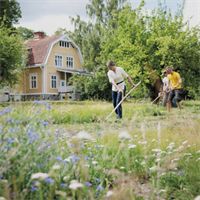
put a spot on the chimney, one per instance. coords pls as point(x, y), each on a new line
point(38, 35)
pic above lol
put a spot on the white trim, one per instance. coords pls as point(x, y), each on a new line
point(25, 94)
point(30, 81)
point(56, 75)
point(67, 39)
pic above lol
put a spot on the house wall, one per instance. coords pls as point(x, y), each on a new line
point(64, 51)
point(18, 88)
point(49, 71)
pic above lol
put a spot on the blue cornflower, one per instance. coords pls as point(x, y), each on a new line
point(45, 103)
point(34, 189)
point(40, 165)
point(10, 119)
point(63, 185)
point(48, 144)
point(45, 123)
point(100, 187)
point(30, 141)
point(8, 140)
point(92, 155)
point(6, 147)
point(88, 183)
point(49, 180)
point(99, 133)
point(87, 158)
point(37, 102)
point(18, 122)
point(68, 136)
point(75, 159)
point(48, 133)
point(1, 177)
point(99, 180)
point(81, 146)
point(12, 129)
point(73, 133)
point(180, 172)
point(58, 158)
point(49, 107)
point(97, 146)
point(72, 145)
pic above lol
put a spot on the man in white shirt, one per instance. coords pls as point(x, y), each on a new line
point(116, 76)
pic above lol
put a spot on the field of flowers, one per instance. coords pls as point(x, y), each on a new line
point(68, 150)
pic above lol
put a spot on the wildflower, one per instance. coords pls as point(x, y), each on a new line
point(97, 146)
point(63, 185)
point(87, 158)
point(10, 119)
point(197, 198)
point(135, 135)
point(198, 151)
point(58, 158)
point(91, 155)
point(73, 133)
point(180, 172)
point(55, 167)
point(143, 163)
point(68, 159)
point(49, 180)
point(133, 146)
point(6, 147)
point(37, 102)
point(88, 183)
point(49, 107)
point(158, 159)
point(94, 162)
point(45, 103)
point(187, 154)
point(34, 189)
point(124, 135)
point(8, 140)
point(198, 159)
point(74, 184)
point(162, 191)
point(188, 146)
point(185, 142)
point(99, 180)
point(153, 140)
point(109, 193)
point(99, 133)
point(39, 175)
point(82, 135)
point(75, 159)
point(156, 150)
point(100, 187)
point(45, 123)
point(122, 167)
point(68, 136)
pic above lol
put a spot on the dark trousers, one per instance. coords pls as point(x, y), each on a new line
point(116, 98)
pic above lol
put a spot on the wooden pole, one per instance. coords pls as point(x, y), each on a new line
point(123, 99)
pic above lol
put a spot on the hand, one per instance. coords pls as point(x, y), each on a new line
point(133, 85)
point(120, 91)
point(175, 86)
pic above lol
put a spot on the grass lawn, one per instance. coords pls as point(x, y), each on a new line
point(68, 150)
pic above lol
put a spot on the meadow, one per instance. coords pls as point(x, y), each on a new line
point(66, 150)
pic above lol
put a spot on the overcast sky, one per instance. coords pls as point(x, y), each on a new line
point(49, 15)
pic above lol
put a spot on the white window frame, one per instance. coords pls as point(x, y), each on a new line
point(70, 56)
point(30, 80)
point(56, 75)
point(56, 54)
point(64, 44)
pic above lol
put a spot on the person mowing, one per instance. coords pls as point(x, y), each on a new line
point(116, 76)
point(176, 81)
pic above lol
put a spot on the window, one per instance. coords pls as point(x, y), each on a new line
point(33, 81)
point(58, 60)
point(70, 62)
point(64, 44)
point(53, 81)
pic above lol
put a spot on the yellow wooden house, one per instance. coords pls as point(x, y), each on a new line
point(51, 62)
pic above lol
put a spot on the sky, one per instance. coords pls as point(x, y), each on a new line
point(49, 15)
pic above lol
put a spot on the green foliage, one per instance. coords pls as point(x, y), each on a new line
point(10, 9)
point(25, 33)
point(11, 56)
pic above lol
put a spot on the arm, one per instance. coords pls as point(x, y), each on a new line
point(179, 82)
point(167, 86)
point(131, 82)
point(116, 86)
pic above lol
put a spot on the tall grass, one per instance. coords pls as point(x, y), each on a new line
point(143, 163)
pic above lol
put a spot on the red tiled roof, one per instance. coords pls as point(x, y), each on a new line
point(39, 49)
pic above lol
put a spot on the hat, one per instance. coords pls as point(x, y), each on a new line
point(164, 72)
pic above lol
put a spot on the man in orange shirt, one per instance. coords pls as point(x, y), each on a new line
point(176, 81)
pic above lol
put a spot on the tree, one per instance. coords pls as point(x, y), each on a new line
point(11, 56)
point(145, 44)
point(11, 9)
point(25, 33)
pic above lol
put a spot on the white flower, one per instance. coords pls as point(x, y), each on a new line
point(55, 167)
point(2, 198)
point(185, 142)
point(74, 184)
point(135, 135)
point(156, 150)
point(187, 154)
point(153, 140)
point(84, 135)
point(124, 135)
point(167, 140)
point(172, 144)
point(145, 142)
point(197, 198)
point(162, 191)
point(66, 177)
point(68, 159)
point(181, 147)
point(143, 163)
point(188, 146)
point(122, 167)
point(109, 193)
point(158, 159)
point(132, 146)
point(39, 175)
point(198, 159)
point(139, 142)
point(94, 162)
point(198, 151)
